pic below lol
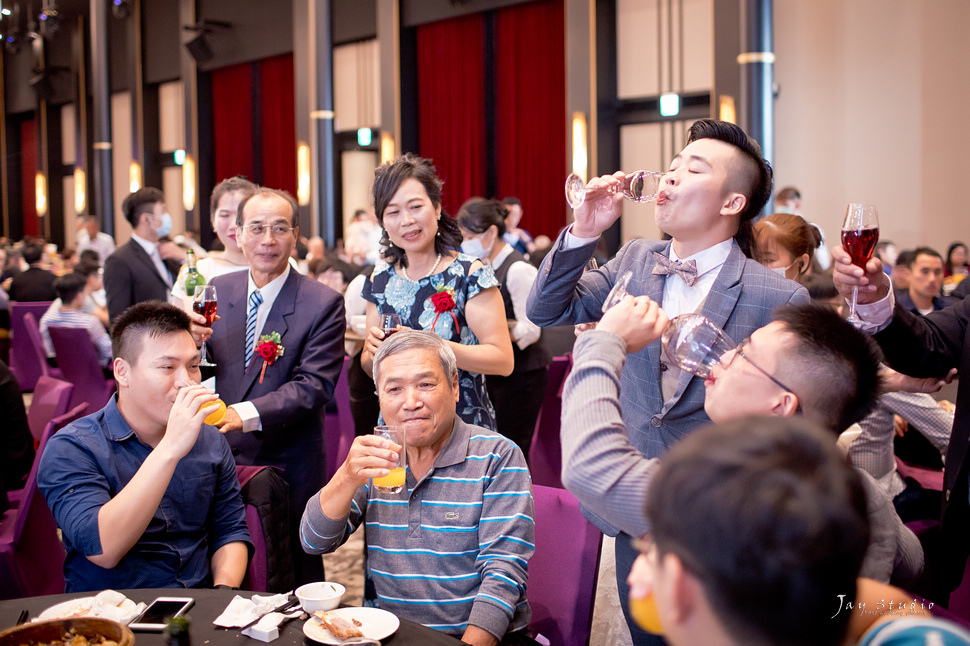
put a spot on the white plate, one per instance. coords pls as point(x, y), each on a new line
point(375, 624)
point(84, 607)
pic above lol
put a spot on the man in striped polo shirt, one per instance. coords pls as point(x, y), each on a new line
point(451, 550)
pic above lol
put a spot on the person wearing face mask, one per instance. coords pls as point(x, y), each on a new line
point(137, 271)
point(786, 244)
point(517, 397)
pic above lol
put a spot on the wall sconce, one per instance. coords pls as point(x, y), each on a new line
point(134, 176)
point(188, 183)
point(387, 148)
point(80, 190)
point(580, 158)
point(303, 174)
point(40, 194)
point(726, 109)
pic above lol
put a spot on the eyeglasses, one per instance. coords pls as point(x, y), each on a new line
point(739, 351)
point(277, 230)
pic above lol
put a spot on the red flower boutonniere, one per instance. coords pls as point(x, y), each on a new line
point(270, 349)
point(443, 301)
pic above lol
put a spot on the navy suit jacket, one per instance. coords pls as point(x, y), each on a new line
point(292, 398)
point(130, 277)
point(742, 299)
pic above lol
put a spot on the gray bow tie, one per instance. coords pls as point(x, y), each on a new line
point(664, 266)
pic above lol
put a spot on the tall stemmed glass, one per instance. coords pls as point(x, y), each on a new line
point(692, 342)
point(860, 233)
point(639, 186)
point(205, 303)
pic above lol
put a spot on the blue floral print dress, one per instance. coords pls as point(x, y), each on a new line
point(393, 294)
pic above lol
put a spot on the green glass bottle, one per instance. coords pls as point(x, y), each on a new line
point(192, 277)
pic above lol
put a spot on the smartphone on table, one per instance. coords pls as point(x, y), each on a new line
point(160, 611)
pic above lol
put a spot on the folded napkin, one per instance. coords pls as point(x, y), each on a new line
point(108, 604)
point(242, 611)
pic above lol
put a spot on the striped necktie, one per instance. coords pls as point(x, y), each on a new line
point(255, 300)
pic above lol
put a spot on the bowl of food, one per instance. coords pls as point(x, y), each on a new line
point(321, 595)
point(80, 631)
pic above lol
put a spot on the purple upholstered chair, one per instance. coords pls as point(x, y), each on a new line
point(51, 398)
point(23, 360)
point(339, 426)
point(563, 570)
point(37, 344)
point(79, 362)
point(545, 452)
point(31, 554)
point(266, 498)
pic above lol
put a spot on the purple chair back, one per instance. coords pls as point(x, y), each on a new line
point(79, 362)
point(23, 359)
point(37, 343)
point(563, 570)
point(265, 497)
point(339, 427)
point(545, 452)
point(51, 398)
point(31, 554)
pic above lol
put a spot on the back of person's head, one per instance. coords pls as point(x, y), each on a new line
point(832, 367)
point(821, 287)
point(788, 194)
point(32, 252)
point(406, 340)
point(229, 185)
point(512, 201)
point(388, 178)
point(790, 231)
point(90, 255)
point(477, 214)
point(86, 268)
point(771, 520)
point(69, 286)
point(141, 201)
point(905, 258)
point(150, 319)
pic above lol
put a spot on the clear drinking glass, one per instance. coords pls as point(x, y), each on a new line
point(206, 304)
point(639, 186)
point(695, 344)
point(390, 324)
point(619, 291)
point(394, 481)
point(860, 233)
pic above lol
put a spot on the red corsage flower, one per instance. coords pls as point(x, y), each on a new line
point(443, 301)
point(270, 349)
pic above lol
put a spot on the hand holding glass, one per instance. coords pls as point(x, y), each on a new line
point(205, 303)
point(390, 324)
point(639, 186)
point(860, 233)
point(394, 481)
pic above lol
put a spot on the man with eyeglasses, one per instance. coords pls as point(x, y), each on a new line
point(807, 362)
point(277, 404)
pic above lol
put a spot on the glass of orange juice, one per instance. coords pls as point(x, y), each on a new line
point(218, 412)
point(394, 481)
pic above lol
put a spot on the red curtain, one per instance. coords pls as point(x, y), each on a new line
point(278, 124)
point(530, 114)
point(232, 109)
point(451, 104)
point(28, 172)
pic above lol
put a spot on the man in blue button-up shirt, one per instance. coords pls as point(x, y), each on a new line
point(145, 494)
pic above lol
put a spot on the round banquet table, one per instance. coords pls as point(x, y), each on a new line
point(209, 604)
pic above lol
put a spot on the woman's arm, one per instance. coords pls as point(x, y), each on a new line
point(485, 313)
point(375, 336)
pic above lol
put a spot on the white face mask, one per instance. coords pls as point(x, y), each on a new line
point(473, 247)
point(165, 227)
point(783, 270)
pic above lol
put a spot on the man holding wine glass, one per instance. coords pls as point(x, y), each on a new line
point(277, 400)
point(708, 198)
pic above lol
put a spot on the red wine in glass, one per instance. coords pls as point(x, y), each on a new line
point(860, 244)
point(206, 309)
point(390, 323)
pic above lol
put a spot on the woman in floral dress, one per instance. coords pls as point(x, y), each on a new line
point(424, 280)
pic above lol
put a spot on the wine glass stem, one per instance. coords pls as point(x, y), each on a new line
point(855, 298)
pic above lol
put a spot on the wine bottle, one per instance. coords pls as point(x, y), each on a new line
point(192, 277)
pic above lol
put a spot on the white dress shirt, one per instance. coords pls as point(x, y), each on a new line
point(518, 281)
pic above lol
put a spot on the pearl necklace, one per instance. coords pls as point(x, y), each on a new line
point(435, 266)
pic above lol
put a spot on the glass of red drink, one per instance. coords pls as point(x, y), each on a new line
point(860, 233)
point(390, 323)
point(205, 303)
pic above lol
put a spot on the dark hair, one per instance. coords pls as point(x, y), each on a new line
point(477, 214)
point(836, 365)
point(151, 318)
point(512, 201)
point(86, 267)
point(32, 253)
point(791, 231)
point(90, 255)
point(949, 254)
point(821, 287)
point(388, 179)
point(788, 193)
point(925, 251)
point(229, 185)
point(69, 286)
point(330, 261)
point(141, 201)
point(769, 517)
point(263, 192)
point(905, 258)
point(753, 178)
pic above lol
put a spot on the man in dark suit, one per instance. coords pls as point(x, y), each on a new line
point(276, 411)
point(715, 187)
point(136, 271)
point(924, 346)
point(35, 284)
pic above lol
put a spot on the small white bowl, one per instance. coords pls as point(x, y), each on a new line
point(322, 595)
